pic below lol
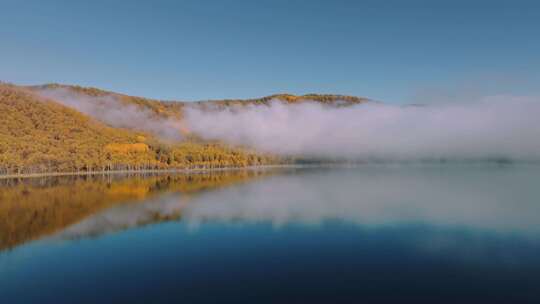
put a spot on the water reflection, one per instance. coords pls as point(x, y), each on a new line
point(419, 234)
point(164, 208)
point(34, 208)
point(483, 198)
point(494, 198)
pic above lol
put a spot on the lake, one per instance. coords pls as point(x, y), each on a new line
point(409, 233)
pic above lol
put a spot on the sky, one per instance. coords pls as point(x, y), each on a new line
point(392, 51)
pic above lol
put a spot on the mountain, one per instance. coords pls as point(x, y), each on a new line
point(41, 133)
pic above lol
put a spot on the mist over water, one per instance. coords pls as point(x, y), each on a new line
point(501, 127)
point(490, 128)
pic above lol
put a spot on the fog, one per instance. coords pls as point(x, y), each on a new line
point(110, 110)
point(499, 127)
point(493, 128)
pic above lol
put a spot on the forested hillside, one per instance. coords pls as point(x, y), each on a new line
point(38, 135)
point(41, 134)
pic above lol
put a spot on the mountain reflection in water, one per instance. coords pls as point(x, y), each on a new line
point(370, 233)
point(33, 208)
point(492, 198)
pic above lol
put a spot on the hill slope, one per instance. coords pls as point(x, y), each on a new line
point(39, 135)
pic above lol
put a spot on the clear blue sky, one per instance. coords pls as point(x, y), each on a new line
point(194, 50)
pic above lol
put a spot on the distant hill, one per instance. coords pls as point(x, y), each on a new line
point(39, 135)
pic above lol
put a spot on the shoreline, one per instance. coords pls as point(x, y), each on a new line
point(253, 168)
point(114, 172)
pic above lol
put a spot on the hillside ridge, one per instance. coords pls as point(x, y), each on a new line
point(93, 91)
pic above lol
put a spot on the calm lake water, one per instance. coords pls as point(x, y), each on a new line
point(373, 233)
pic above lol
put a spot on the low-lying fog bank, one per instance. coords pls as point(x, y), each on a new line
point(494, 128)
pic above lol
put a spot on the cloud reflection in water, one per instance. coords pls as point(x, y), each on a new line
point(486, 198)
